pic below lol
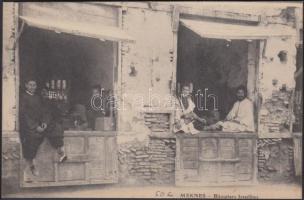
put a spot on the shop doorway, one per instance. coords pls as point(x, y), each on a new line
point(68, 67)
point(214, 67)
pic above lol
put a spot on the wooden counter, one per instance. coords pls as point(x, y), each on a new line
point(215, 158)
point(92, 159)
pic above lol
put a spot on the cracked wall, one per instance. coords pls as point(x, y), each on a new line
point(146, 71)
point(151, 164)
point(276, 84)
point(9, 72)
point(275, 160)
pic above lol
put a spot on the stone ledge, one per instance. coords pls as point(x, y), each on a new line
point(275, 135)
point(297, 135)
point(162, 135)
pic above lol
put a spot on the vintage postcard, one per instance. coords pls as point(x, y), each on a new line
point(152, 99)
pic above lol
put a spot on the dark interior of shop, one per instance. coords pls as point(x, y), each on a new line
point(214, 64)
point(82, 62)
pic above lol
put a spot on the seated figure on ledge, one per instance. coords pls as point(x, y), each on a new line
point(240, 118)
point(184, 116)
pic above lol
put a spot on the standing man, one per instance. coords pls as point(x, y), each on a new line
point(36, 123)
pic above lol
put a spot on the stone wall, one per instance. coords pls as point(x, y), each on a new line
point(158, 122)
point(275, 160)
point(10, 164)
point(152, 164)
point(276, 117)
point(276, 83)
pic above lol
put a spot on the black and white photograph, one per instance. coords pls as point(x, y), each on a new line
point(152, 99)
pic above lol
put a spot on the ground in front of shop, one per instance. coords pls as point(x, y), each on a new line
point(225, 192)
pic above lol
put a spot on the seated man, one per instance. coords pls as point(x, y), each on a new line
point(240, 117)
point(95, 106)
point(79, 117)
point(184, 116)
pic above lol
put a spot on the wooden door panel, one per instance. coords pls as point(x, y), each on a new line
point(191, 175)
point(71, 171)
point(97, 154)
point(208, 172)
point(227, 172)
point(92, 159)
point(96, 148)
point(209, 148)
point(97, 170)
point(227, 148)
point(219, 159)
point(190, 164)
point(111, 166)
point(74, 145)
point(190, 142)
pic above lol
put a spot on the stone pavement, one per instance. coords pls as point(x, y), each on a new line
point(106, 191)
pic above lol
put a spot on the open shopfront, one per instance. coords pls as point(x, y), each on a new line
point(68, 58)
point(216, 58)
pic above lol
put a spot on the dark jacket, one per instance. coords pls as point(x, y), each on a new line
point(33, 113)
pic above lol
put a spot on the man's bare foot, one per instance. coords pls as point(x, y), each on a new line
point(62, 156)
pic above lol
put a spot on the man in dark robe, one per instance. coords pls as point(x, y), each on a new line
point(37, 122)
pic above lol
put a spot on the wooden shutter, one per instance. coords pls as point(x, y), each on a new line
point(92, 159)
point(215, 159)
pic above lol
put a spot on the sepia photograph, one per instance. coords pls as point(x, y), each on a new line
point(152, 99)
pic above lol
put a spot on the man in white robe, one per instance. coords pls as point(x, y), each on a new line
point(240, 118)
point(184, 115)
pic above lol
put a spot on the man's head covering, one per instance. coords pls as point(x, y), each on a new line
point(242, 87)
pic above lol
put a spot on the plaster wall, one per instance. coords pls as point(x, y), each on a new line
point(276, 84)
point(146, 71)
point(9, 72)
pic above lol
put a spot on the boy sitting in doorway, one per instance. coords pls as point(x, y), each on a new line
point(37, 122)
point(185, 116)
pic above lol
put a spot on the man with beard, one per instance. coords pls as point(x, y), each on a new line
point(240, 118)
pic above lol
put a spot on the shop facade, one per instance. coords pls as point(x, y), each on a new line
point(140, 50)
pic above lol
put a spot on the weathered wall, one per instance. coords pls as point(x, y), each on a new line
point(146, 68)
point(146, 75)
point(276, 84)
point(10, 158)
point(10, 140)
point(275, 160)
point(151, 164)
point(77, 12)
point(9, 100)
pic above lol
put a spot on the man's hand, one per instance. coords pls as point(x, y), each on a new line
point(39, 129)
point(178, 125)
point(203, 120)
point(236, 121)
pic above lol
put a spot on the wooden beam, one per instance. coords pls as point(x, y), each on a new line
point(189, 11)
point(175, 18)
point(220, 14)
